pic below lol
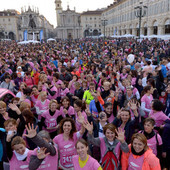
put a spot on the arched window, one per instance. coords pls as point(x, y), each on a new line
point(167, 26)
point(155, 28)
point(145, 29)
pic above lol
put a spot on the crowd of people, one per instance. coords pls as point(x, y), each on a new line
point(84, 104)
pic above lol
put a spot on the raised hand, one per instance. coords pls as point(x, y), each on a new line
point(119, 113)
point(88, 111)
point(88, 126)
point(80, 118)
point(31, 131)
point(13, 107)
point(133, 105)
point(41, 153)
point(120, 135)
point(9, 136)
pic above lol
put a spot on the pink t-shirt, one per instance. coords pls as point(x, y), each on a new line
point(66, 149)
point(159, 117)
point(64, 92)
point(147, 101)
point(152, 143)
point(29, 81)
point(56, 94)
point(27, 101)
point(72, 88)
point(49, 163)
point(135, 163)
point(111, 118)
point(123, 76)
point(50, 121)
point(15, 164)
point(70, 111)
point(41, 107)
point(91, 164)
point(34, 99)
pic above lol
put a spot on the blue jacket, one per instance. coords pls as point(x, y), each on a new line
point(93, 108)
point(164, 71)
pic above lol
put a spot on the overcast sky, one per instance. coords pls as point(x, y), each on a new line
point(47, 7)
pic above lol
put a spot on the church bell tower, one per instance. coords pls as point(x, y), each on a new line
point(58, 11)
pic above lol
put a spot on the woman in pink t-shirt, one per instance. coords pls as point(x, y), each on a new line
point(45, 156)
point(41, 104)
point(66, 110)
point(146, 100)
point(157, 114)
point(153, 138)
point(49, 118)
point(110, 142)
point(64, 90)
point(78, 160)
point(71, 85)
point(79, 110)
point(18, 158)
point(65, 142)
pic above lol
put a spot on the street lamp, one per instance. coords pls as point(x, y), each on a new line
point(88, 28)
point(140, 11)
point(104, 23)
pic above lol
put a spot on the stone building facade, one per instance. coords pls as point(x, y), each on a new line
point(121, 18)
point(91, 23)
point(9, 24)
point(21, 26)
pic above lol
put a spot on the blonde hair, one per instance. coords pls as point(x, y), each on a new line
point(106, 83)
point(42, 77)
point(140, 137)
point(53, 101)
point(2, 104)
point(41, 94)
point(13, 121)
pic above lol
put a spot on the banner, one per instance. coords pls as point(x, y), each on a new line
point(41, 35)
point(25, 35)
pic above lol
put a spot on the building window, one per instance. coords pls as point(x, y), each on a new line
point(9, 19)
point(99, 25)
point(3, 19)
point(94, 25)
point(94, 18)
point(155, 30)
point(90, 18)
point(86, 18)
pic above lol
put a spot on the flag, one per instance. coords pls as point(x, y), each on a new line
point(41, 35)
point(25, 35)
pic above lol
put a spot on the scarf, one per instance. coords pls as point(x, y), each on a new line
point(21, 157)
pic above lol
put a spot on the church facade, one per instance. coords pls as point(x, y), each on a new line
point(68, 23)
point(33, 26)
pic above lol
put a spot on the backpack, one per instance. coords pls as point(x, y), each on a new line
point(109, 161)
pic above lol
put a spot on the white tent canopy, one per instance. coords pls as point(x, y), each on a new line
point(128, 35)
point(30, 41)
point(51, 39)
point(102, 35)
point(116, 36)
